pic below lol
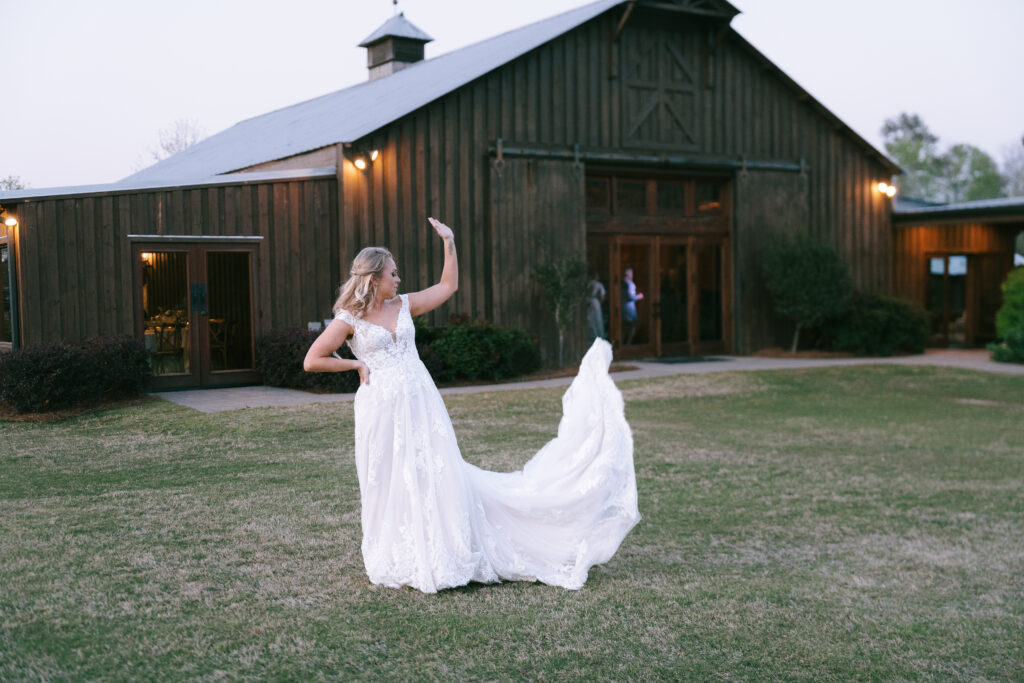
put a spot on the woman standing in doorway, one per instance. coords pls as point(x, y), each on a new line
point(429, 519)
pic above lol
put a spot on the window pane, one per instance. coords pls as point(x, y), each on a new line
point(5, 285)
point(672, 198)
point(958, 265)
point(165, 311)
point(708, 196)
point(630, 196)
point(598, 197)
point(937, 265)
point(229, 280)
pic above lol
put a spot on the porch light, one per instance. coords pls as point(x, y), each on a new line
point(360, 163)
point(373, 155)
point(886, 189)
point(10, 221)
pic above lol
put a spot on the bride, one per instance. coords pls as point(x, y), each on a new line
point(432, 521)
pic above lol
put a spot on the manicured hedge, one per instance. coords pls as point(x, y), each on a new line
point(877, 325)
point(52, 376)
point(461, 350)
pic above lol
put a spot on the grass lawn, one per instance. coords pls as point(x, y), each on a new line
point(830, 524)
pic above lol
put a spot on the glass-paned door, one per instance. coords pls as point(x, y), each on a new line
point(946, 299)
point(667, 295)
point(673, 297)
point(196, 317)
point(166, 320)
point(229, 292)
point(709, 259)
point(637, 278)
point(7, 316)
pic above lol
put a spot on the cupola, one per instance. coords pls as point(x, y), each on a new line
point(394, 46)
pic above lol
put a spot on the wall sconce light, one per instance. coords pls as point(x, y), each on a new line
point(9, 220)
point(886, 189)
point(361, 159)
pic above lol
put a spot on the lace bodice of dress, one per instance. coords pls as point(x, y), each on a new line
point(375, 346)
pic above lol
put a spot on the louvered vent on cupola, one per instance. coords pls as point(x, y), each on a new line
point(394, 46)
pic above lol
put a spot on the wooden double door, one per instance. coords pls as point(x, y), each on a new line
point(195, 306)
point(685, 307)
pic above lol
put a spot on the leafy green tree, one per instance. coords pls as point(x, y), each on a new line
point(969, 173)
point(564, 283)
point(807, 281)
point(961, 173)
point(915, 148)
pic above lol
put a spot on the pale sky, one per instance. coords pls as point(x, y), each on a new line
point(88, 85)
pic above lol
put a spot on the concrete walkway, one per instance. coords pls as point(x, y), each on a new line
point(217, 400)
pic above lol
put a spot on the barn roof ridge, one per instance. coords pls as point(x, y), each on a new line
point(370, 105)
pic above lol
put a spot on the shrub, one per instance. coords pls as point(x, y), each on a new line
point(1010, 321)
point(478, 351)
point(1011, 348)
point(279, 356)
point(808, 282)
point(1010, 315)
point(52, 376)
point(879, 326)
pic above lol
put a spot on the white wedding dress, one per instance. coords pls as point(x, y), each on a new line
point(432, 521)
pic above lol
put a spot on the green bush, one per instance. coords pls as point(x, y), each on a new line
point(1011, 348)
point(461, 350)
point(879, 326)
point(1010, 315)
point(478, 351)
point(279, 356)
point(808, 282)
point(1010, 321)
point(52, 376)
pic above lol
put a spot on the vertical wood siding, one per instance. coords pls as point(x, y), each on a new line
point(77, 276)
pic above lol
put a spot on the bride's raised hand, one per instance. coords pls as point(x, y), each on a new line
point(443, 231)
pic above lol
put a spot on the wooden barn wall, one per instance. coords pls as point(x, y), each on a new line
point(435, 160)
point(771, 204)
point(991, 246)
point(77, 277)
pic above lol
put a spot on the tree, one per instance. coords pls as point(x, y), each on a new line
point(961, 173)
point(12, 182)
point(1013, 169)
point(564, 283)
point(807, 281)
point(915, 148)
point(179, 136)
point(969, 173)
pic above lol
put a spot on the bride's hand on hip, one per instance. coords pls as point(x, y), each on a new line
point(364, 373)
point(443, 231)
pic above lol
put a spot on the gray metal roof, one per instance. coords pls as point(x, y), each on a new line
point(399, 27)
point(1002, 203)
point(129, 185)
point(350, 114)
point(1003, 209)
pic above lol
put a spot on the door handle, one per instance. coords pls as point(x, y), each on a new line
point(198, 298)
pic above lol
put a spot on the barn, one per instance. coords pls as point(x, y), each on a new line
point(645, 135)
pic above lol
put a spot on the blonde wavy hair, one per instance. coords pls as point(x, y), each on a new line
point(359, 291)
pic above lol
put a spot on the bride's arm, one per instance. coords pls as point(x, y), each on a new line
point(432, 297)
point(319, 358)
